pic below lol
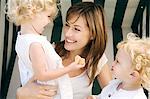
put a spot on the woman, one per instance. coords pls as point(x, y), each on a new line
point(85, 35)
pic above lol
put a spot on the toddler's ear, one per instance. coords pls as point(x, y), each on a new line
point(135, 74)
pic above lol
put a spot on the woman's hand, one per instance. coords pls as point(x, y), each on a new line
point(33, 90)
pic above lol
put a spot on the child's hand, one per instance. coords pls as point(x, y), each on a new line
point(91, 97)
point(79, 60)
point(78, 63)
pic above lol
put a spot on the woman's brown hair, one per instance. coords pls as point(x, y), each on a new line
point(94, 18)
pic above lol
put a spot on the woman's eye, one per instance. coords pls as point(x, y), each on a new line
point(77, 29)
point(66, 25)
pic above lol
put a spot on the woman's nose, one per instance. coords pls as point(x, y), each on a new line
point(68, 32)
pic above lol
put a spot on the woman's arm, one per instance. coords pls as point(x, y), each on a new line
point(105, 76)
point(103, 79)
point(33, 90)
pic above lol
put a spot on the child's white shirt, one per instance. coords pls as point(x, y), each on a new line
point(111, 92)
point(54, 62)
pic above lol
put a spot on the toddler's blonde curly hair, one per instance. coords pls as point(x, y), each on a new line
point(21, 11)
point(139, 50)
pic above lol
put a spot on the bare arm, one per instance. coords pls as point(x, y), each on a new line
point(92, 97)
point(105, 76)
point(39, 64)
point(32, 90)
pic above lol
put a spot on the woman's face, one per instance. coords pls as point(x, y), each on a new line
point(76, 34)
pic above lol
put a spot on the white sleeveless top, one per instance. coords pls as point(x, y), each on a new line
point(53, 59)
point(80, 83)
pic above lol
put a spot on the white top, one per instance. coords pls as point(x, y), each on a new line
point(111, 92)
point(54, 62)
point(80, 84)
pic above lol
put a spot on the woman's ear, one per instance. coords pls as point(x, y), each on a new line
point(135, 74)
point(91, 38)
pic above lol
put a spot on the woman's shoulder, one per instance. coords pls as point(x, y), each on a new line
point(102, 61)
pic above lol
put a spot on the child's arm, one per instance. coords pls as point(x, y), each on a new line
point(39, 64)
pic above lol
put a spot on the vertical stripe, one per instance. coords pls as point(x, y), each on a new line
point(58, 23)
point(148, 18)
point(75, 1)
point(65, 4)
point(11, 61)
point(101, 2)
point(117, 22)
point(117, 37)
point(2, 18)
point(138, 16)
point(4, 64)
point(141, 26)
point(57, 29)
